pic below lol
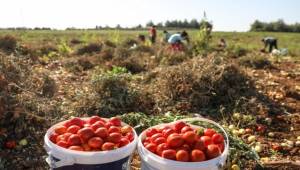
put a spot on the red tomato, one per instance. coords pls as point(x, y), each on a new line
point(115, 121)
point(217, 138)
point(189, 137)
point(61, 138)
point(97, 125)
point(179, 125)
point(151, 147)
point(108, 125)
point(86, 125)
point(151, 132)
point(186, 129)
point(114, 137)
point(126, 129)
point(123, 142)
point(146, 143)
point(86, 147)
point(197, 156)
point(113, 129)
point(108, 146)
point(261, 128)
point(130, 136)
point(221, 146)
point(175, 140)
point(67, 135)
point(76, 148)
point(167, 132)
point(185, 147)
point(213, 151)
point(73, 129)
point(147, 139)
point(53, 137)
point(160, 129)
point(182, 155)
point(95, 119)
point(60, 129)
point(209, 132)
point(161, 147)
point(206, 140)
point(276, 147)
point(75, 121)
point(86, 133)
point(96, 150)
point(199, 144)
point(101, 132)
point(63, 144)
point(74, 139)
point(95, 142)
point(169, 154)
point(155, 136)
point(10, 144)
point(159, 140)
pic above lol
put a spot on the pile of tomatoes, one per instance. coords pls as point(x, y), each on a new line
point(181, 142)
point(92, 134)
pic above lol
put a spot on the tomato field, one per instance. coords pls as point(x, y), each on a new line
point(50, 76)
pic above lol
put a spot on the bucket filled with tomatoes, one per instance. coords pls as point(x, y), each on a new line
point(90, 143)
point(183, 145)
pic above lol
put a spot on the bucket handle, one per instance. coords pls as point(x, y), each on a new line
point(57, 164)
point(226, 151)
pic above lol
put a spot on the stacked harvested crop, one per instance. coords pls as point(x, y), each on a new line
point(199, 83)
point(21, 108)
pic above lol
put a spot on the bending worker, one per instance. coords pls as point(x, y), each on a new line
point(175, 40)
point(271, 42)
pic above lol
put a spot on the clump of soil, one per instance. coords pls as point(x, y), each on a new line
point(90, 48)
point(110, 44)
point(257, 62)
point(85, 63)
point(8, 43)
point(47, 49)
point(76, 41)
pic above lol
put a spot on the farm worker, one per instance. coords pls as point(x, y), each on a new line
point(175, 40)
point(271, 42)
point(142, 38)
point(222, 43)
point(152, 33)
point(167, 35)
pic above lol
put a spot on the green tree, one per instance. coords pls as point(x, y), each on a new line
point(149, 24)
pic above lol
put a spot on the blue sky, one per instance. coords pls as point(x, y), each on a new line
point(227, 15)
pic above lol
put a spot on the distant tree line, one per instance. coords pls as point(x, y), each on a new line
point(26, 28)
point(192, 24)
point(277, 26)
point(178, 24)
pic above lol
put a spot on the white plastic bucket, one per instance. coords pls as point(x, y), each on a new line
point(64, 159)
point(151, 161)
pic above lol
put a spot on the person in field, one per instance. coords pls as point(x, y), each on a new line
point(271, 42)
point(152, 33)
point(222, 43)
point(142, 38)
point(167, 35)
point(175, 40)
